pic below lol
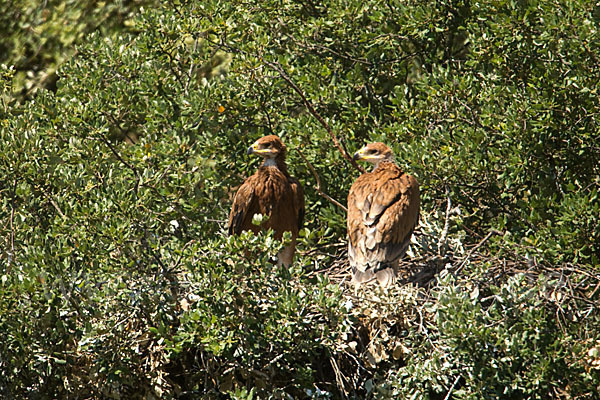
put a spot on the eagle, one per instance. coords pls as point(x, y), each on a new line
point(272, 192)
point(383, 210)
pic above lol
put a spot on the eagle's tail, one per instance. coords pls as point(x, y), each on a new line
point(385, 276)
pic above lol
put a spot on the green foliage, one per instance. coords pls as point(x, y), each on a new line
point(38, 37)
point(117, 281)
point(269, 327)
point(506, 343)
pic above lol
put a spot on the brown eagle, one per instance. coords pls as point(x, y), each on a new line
point(272, 192)
point(383, 209)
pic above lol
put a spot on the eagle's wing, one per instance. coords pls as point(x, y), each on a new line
point(298, 196)
point(397, 220)
point(242, 210)
point(383, 209)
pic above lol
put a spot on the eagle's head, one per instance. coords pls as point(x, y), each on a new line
point(374, 153)
point(270, 147)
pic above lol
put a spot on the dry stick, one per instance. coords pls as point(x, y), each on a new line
point(49, 197)
point(443, 236)
point(591, 296)
point(12, 230)
point(339, 377)
point(449, 212)
point(51, 200)
point(318, 187)
point(276, 67)
point(116, 154)
point(452, 388)
point(464, 261)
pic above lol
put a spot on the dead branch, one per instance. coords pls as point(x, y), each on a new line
point(466, 258)
point(449, 212)
point(318, 187)
point(452, 388)
point(339, 378)
point(12, 229)
point(277, 68)
point(54, 204)
point(444, 234)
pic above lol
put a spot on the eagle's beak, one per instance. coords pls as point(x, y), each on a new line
point(358, 155)
point(254, 149)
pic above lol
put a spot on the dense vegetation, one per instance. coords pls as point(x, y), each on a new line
point(123, 129)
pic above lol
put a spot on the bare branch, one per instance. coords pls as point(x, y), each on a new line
point(48, 197)
point(276, 67)
point(116, 153)
point(464, 261)
point(12, 230)
point(339, 378)
point(318, 187)
point(452, 388)
point(444, 234)
point(449, 212)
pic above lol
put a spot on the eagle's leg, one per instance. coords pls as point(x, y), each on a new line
point(286, 255)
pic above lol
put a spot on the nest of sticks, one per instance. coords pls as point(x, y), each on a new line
point(570, 291)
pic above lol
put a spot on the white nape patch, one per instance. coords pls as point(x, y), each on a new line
point(270, 162)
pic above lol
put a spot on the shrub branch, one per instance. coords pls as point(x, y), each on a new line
point(318, 187)
point(277, 68)
point(12, 230)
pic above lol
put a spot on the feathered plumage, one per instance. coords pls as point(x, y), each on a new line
point(271, 191)
point(383, 210)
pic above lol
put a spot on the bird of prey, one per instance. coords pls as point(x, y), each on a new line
point(272, 192)
point(383, 210)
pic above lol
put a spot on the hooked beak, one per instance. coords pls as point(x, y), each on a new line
point(254, 149)
point(358, 155)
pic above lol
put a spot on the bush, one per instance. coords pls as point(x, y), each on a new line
point(516, 341)
point(117, 279)
point(40, 37)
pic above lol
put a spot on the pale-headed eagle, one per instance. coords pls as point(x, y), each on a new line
point(383, 210)
point(272, 192)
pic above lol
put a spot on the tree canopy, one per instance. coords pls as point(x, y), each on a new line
point(123, 129)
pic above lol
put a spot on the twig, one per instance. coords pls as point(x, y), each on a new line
point(349, 57)
point(452, 388)
point(339, 377)
point(56, 206)
point(277, 358)
point(464, 261)
point(12, 230)
point(449, 212)
point(51, 200)
point(162, 175)
point(116, 153)
point(180, 256)
point(444, 235)
point(318, 187)
point(591, 296)
point(191, 70)
point(276, 67)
